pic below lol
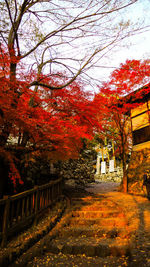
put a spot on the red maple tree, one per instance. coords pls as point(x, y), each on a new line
point(116, 98)
point(39, 118)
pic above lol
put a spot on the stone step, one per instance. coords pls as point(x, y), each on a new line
point(94, 207)
point(92, 201)
point(91, 198)
point(115, 222)
point(94, 204)
point(97, 214)
point(90, 247)
point(88, 199)
point(105, 232)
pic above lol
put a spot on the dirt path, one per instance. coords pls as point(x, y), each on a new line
point(102, 187)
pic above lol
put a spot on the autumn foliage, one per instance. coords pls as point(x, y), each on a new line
point(36, 118)
point(116, 98)
point(37, 114)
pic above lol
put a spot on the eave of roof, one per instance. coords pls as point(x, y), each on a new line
point(138, 96)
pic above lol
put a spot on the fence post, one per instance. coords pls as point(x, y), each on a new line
point(36, 204)
point(5, 221)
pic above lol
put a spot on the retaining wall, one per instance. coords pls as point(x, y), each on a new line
point(115, 176)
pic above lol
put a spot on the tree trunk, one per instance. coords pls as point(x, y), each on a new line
point(125, 180)
point(5, 133)
point(25, 139)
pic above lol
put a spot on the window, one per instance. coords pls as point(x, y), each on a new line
point(142, 135)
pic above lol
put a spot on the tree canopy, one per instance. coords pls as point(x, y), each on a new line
point(43, 120)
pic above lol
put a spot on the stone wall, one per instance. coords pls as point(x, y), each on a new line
point(139, 164)
point(77, 171)
point(115, 176)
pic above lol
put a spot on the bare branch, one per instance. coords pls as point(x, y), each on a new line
point(73, 78)
point(72, 22)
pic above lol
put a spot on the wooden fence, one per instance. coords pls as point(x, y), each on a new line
point(18, 211)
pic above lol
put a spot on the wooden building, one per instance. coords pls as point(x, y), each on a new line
point(140, 118)
point(140, 123)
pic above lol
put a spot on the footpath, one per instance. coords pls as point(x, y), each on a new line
point(102, 227)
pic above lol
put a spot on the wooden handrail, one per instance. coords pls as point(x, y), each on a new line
point(18, 209)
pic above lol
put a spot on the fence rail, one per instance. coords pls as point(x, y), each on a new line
point(20, 210)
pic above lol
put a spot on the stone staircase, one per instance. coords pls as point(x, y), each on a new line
point(97, 226)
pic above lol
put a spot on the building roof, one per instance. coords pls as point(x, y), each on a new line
point(140, 95)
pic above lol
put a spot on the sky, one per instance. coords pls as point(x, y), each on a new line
point(135, 47)
point(75, 53)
